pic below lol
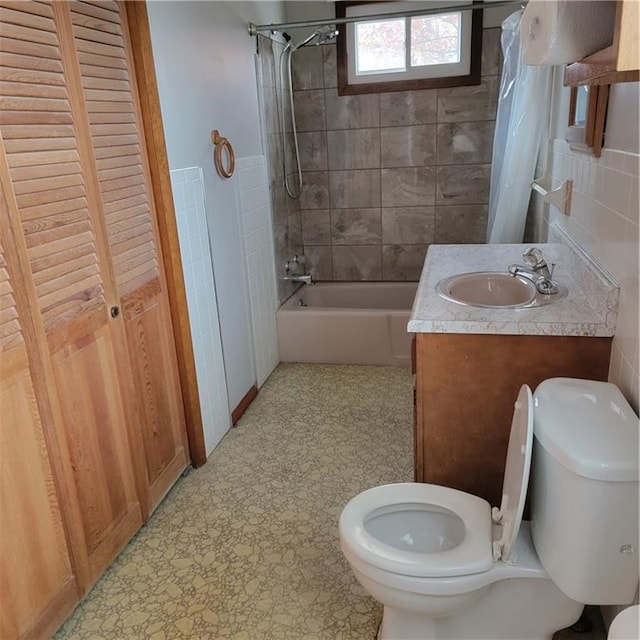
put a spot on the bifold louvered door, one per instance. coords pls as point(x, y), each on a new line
point(80, 213)
point(35, 564)
point(108, 84)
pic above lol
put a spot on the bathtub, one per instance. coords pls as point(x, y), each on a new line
point(347, 323)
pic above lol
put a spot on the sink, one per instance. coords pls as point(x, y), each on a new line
point(494, 290)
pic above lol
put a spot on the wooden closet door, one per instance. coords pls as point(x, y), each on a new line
point(110, 92)
point(46, 169)
point(37, 585)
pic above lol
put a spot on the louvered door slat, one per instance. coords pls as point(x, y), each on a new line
point(16, 16)
point(29, 34)
point(100, 60)
point(42, 55)
point(52, 208)
point(35, 8)
point(46, 196)
point(94, 10)
point(39, 144)
point(30, 76)
point(111, 151)
point(10, 330)
point(29, 61)
point(20, 174)
point(113, 131)
point(45, 275)
point(44, 184)
point(50, 235)
point(26, 89)
point(118, 183)
point(122, 218)
point(93, 71)
point(43, 132)
point(67, 260)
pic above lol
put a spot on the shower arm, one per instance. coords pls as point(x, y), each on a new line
point(255, 29)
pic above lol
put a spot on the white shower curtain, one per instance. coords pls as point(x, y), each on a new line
point(523, 112)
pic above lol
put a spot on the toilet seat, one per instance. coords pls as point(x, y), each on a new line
point(467, 545)
point(472, 555)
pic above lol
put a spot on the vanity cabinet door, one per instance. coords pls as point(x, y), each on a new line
point(466, 388)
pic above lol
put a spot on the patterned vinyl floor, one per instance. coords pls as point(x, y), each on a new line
point(246, 547)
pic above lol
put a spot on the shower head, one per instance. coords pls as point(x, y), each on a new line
point(324, 34)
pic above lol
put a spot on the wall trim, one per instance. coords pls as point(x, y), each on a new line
point(161, 182)
point(243, 405)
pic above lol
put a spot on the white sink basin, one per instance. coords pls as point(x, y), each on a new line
point(494, 290)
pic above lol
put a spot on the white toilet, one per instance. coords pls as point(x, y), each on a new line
point(446, 565)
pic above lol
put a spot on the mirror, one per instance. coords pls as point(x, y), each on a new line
point(581, 105)
point(587, 115)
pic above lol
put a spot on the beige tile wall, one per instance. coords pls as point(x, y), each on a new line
point(604, 221)
point(387, 174)
point(384, 175)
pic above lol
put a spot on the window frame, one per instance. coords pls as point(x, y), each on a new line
point(588, 137)
point(345, 88)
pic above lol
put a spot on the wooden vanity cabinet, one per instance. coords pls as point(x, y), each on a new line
point(465, 389)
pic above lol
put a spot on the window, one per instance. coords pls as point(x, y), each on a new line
point(407, 52)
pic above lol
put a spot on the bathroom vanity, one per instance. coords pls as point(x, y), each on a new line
point(470, 361)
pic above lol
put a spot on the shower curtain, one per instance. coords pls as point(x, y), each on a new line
point(523, 112)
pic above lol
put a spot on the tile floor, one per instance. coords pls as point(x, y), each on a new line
point(246, 548)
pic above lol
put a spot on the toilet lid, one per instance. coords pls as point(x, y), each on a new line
point(516, 475)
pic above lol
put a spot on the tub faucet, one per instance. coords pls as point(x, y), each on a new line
point(536, 270)
point(295, 270)
point(306, 278)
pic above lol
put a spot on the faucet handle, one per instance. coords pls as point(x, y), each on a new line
point(533, 256)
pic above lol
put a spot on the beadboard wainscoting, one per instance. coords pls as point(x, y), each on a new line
point(257, 235)
point(189, 203)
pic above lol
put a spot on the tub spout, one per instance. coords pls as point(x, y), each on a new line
point(305, 279)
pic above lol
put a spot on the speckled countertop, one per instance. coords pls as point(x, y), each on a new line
point(590, 308)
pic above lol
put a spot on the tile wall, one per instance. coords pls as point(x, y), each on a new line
point(286, 218)
point(191, 217)
point(384, 175)
point(387, 174)
point(257, 235)
point(604, 221)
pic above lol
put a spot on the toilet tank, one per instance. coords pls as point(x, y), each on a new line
point(584, 489)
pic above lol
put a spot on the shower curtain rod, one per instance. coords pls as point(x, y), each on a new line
point(254, 29)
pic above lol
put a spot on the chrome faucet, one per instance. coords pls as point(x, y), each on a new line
point(306, 278)
point(295, 269)
point(536, 270)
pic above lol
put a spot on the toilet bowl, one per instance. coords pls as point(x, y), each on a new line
point(446, 565)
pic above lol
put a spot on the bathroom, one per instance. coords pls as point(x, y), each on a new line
point(212, 74)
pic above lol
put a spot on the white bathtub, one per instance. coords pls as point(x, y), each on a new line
point(347, 323)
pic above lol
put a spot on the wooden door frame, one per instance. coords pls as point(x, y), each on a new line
point(140, 37)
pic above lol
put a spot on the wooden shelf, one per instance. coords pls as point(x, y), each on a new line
point(618, 62)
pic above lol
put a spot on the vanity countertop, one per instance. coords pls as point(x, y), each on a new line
point(590, 308)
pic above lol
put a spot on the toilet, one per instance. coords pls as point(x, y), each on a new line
point(444, 564)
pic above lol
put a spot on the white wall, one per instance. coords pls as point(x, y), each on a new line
point(204, 62)
point(191, 217)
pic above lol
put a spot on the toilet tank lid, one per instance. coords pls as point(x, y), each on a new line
point(588, 427)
